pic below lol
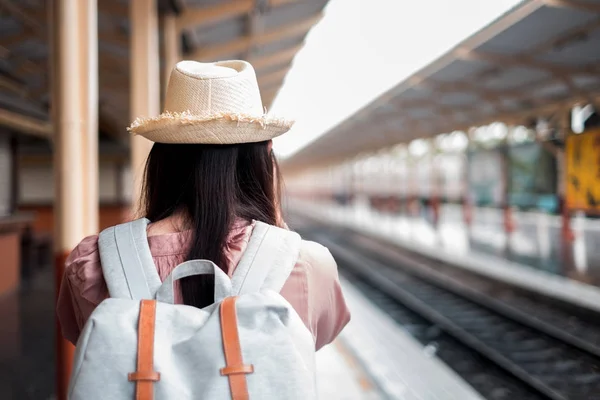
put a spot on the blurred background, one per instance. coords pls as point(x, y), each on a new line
point(446, 152)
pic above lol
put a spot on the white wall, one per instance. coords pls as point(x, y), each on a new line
point(36, 183)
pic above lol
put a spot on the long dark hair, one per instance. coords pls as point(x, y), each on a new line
point(211, 185)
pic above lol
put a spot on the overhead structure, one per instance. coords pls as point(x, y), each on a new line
point(540, 58)
point(266, 32)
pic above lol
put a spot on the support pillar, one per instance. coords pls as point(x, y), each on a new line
point(89, 88)
point(145, 81)
point(75, 102)
point(171, 47)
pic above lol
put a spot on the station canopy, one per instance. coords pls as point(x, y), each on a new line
point(536, 60)
point(268, 33)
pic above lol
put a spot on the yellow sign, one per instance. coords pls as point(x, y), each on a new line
point(583, 171)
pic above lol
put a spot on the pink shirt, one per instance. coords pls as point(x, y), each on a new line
point(313, 288)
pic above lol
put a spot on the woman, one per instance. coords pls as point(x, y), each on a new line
point(209, 176)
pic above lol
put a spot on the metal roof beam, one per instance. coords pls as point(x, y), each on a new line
point(191, 17)
point(524, 61)
point(569, 37)
point(574, 4)
point(277, 3)
point(13, 86)
point(216, 51)
point(107, 7)
point(463, 87)
point(242, 44)
point(535, 111)
point(203, 15)
point(28, 20)
point(452, 122)
point(277, 58)
point(18, 38)
point(25, 124)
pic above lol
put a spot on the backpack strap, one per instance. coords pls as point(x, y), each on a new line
point(268, 260)
point(126, 261)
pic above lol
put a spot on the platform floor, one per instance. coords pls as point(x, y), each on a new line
point(533, 257)
point(27, 350)
point(27, 340)
point(372, 359)
point(341, 377)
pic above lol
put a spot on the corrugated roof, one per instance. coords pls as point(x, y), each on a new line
point(266, 32)
point(541, 56)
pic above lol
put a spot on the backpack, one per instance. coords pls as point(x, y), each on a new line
point(250, 343)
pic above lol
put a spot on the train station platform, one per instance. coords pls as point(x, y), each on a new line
point(531, 257)
point(372, 359)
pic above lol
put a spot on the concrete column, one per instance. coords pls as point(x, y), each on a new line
point(88, 42)
point(145, 80)
point(171, 47)
point(75, 100)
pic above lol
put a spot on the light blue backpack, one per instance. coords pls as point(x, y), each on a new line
point(249, 344)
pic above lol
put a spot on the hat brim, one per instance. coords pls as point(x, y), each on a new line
point(215, 129)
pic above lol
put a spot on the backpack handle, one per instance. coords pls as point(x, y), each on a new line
point(190, 268)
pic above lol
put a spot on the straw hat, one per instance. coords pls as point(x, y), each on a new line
point(212, 103)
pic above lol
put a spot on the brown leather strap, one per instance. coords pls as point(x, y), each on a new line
point(145, 376)
point(235, 369)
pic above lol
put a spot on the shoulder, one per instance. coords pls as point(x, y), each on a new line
point(312, 255)
point(317, 259)
point(314, 251)
point(83, 271)
point(84, 252)
point(326, 308)
point(82, 287)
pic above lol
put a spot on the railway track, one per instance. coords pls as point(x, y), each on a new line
point(528, 356)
